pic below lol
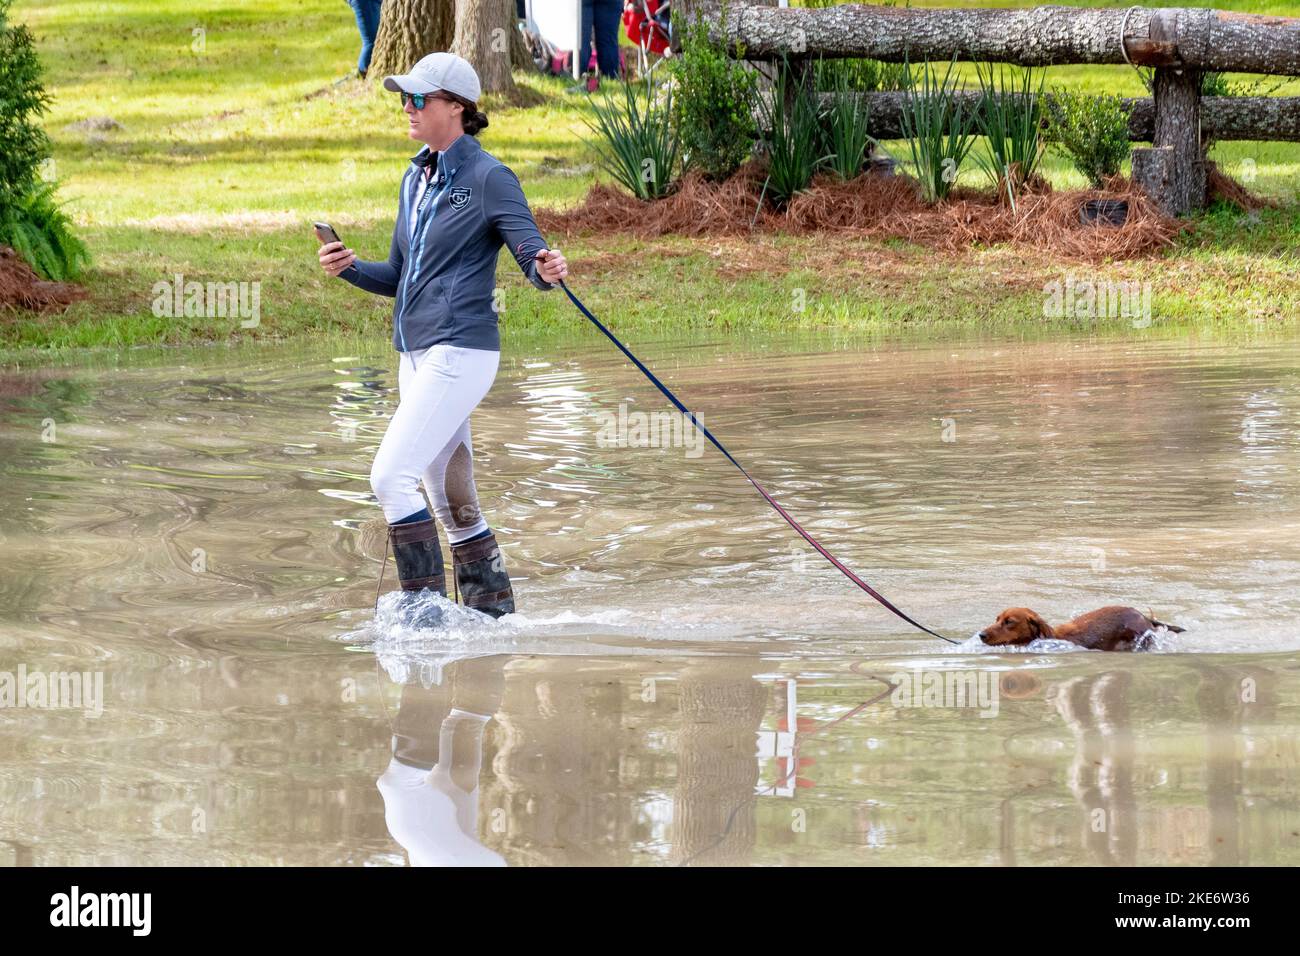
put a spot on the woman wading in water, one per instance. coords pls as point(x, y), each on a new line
point(458, 205)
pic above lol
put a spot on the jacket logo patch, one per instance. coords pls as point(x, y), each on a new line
point(459, 196)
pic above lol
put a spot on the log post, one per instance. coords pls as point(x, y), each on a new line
point(1153, 172)
point(801, 78)
point(1176, 181)
point(1178, 128)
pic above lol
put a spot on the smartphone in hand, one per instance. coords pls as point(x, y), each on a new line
point(325, 233)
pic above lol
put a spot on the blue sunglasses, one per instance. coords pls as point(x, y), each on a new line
point(419, 99)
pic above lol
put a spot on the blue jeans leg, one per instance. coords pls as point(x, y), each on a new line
point(584, 49)
point(608, 17)
point(367, 13)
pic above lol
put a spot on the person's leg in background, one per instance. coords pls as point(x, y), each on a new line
point(367, 13)
point(480, 572)
point(608, 15)
point(583, 53)
point(584, 49)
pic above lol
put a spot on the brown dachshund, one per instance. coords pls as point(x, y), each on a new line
point(1108, 629)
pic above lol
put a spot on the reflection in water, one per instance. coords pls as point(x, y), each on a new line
point(431, 786)
point(611, 761)
point(713, 817)
point(686, 684)
point(1095, 709)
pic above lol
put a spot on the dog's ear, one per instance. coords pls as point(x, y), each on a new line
point(1037, 626)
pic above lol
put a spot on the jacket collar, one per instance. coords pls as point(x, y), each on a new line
point(450, 159)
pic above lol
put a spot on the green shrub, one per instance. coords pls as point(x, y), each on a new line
point(795, 148)
point(1011, 118)
point(859, 74)
point(31, 221)
point(1091, 130)
point(638, 144)
point(1218, 84)
point(23, 143)
point(713, 104)
point(937, 129)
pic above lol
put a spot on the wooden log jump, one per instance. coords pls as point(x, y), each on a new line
point(1179, 43)
point(1199, 39)
point(1270, 118)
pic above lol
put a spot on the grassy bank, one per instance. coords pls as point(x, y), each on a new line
point(233, 128)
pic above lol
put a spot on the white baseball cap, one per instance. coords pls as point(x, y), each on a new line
point(438, 71)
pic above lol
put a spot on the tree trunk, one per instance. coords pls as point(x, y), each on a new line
point(521, 58)
point(409, 30)
point(483, 29)
point(1201, 39)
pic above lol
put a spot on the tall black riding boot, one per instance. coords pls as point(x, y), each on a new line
point(481, 576)
point(418, 557)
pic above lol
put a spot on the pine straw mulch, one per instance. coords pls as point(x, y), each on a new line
point(1220, 186)
point(879, 206)
point(21, 288)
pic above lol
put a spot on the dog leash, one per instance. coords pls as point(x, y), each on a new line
point(761, 490)
point(388, 543)
point(388, 540)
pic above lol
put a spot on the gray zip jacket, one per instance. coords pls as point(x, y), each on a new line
point(442, 272)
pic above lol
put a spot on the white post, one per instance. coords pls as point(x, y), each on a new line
point(559, 22)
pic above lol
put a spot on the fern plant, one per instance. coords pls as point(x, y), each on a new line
point(36, 227)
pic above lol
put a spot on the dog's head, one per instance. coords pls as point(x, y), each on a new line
point(1016, 625)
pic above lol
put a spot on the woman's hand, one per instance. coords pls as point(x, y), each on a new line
point(551, 265)
point(335, 258)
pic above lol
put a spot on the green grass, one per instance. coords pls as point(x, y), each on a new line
point(226, 153)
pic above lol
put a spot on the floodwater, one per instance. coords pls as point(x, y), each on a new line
point(196, 672)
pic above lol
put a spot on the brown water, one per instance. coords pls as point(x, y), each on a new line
point(196, 530)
